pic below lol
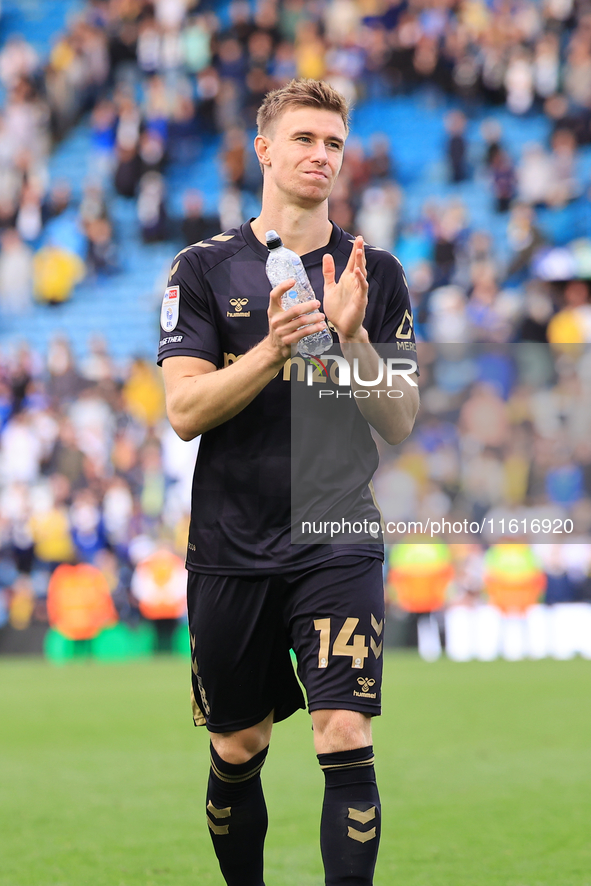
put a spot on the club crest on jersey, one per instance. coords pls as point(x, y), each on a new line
point(169, 315)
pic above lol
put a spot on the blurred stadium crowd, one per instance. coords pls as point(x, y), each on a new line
point(160, 77)
point(89, 469)
point(89, 473)
point(503, 434)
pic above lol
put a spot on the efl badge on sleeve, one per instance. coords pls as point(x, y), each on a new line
point(169, 315)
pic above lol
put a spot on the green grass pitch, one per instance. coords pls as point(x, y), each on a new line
point(484, 770)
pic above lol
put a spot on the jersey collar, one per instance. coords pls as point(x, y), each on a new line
point(308, 260)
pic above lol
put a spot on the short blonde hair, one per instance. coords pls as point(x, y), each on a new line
point(301, 93)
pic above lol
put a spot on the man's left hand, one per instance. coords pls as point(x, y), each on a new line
point(345, 302)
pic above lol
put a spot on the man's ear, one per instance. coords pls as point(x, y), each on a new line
point(261, 146)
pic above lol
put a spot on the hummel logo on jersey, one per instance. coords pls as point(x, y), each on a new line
point(238, 304)
point(365, 683)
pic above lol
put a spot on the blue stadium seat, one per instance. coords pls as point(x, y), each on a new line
point(37, 20)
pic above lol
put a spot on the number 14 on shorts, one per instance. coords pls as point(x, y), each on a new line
point(357, 649)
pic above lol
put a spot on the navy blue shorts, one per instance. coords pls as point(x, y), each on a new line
point(242, 629)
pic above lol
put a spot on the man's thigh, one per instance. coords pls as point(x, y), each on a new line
point(241, 666)
point(336, 622)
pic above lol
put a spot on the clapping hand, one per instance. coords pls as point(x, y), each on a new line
point(345, 302)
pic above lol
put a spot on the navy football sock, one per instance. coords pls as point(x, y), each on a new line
point(237, 818)
point(350, 825)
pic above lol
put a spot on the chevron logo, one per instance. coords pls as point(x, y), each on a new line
point(226, 812)
point(362, 817)
point(194, 667)
point(361, 836)
point(219, 830)
point(198, 717)
point(377, 626)
point(222, 237)
point(186, 249)
point(376, 648)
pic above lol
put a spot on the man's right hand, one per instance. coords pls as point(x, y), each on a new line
point(199, 396)
point(287, 328)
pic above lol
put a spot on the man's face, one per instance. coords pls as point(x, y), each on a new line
point(303, 153)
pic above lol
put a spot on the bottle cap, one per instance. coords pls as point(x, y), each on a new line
point(273, 240)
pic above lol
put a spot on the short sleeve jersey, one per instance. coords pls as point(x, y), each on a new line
point(215, 308)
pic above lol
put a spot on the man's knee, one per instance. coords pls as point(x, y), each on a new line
point(336, 731)
point(239, 747)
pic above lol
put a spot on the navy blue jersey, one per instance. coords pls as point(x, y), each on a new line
point(215, 308)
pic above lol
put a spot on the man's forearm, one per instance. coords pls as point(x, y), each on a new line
point(392, 417)
point(203, 398)
point(197, 403)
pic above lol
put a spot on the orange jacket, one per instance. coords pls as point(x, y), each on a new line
point(79, 605)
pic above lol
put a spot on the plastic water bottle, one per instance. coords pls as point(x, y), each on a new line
point(282, 264)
